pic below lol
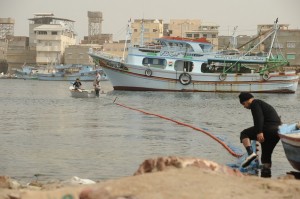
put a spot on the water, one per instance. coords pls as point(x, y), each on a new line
point(46, 131)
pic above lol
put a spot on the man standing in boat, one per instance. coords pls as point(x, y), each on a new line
point(96, 84)
point(265, 131)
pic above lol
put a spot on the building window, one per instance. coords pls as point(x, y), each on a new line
point(291, 56)
point(291, 44)
point(197, 35)
point(54, 32)
point(135, 30)
point(278, 45)
point(214, 36)
point(189, 35)
point(42, 32)
point(205, 35)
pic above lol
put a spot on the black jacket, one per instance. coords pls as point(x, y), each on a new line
point(264, 115)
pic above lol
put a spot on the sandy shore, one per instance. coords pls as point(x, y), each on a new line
point(186, 182)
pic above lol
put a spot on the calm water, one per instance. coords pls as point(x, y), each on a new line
point(45, 131)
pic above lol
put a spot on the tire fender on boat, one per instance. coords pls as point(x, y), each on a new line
point(222, 76)
point(266, 76)
point(185, 78)
point(148, 72)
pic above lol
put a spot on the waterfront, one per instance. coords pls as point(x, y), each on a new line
point(45, 131)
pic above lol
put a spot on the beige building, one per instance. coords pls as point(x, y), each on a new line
point(19, 53)
point(146, 31)
point(117, 48)
point(50, 36)
point(179, 27)
point(78, 54)
point(287, 43)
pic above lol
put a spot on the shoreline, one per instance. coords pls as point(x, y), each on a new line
point(167, 177)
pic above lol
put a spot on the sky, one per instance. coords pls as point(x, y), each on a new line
point(246, 14)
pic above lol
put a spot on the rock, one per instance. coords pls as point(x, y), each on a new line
point(7, 182)
point(163, 163)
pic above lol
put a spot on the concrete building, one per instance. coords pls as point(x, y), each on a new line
point(50, 36)
point(179, 27)
point(145, 31)
point(117, 48)
point(78, 54)
point(95, 35)
point(19, 53)
point(287, 42)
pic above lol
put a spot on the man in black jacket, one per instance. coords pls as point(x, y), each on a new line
point(265, 131)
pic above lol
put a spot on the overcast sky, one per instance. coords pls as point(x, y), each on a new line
point(245, 14)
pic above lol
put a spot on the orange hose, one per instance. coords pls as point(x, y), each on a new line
point(187, 125)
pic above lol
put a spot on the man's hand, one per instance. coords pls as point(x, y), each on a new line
point(260, 137)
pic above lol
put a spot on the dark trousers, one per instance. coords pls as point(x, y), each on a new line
point(97, 92)
point(267, 147)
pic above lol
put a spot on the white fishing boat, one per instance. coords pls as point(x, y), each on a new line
point(181, 64)
point(82, 93)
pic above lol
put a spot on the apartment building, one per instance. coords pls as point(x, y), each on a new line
point(50, 35)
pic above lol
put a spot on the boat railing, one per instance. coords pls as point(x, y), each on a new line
point(109, 56)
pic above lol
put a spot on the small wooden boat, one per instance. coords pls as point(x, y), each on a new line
point(82, 93)
point(290, 138)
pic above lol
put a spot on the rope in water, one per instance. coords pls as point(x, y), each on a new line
point(184, 124)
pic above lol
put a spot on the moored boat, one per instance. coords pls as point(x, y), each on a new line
point(27, 72)
point(182, 64)
point(290, 138)
point(71, 72)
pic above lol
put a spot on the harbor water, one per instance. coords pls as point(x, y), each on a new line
point(46, 132)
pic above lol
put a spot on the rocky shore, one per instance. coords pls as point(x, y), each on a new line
point(165, 178)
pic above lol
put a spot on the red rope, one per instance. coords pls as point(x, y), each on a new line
point(187, 125)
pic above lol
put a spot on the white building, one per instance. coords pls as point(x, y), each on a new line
point(50, 36)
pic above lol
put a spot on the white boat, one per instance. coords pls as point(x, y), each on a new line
point(181, 64)
point(71, 73)
point(290, 138)
point(82, 93)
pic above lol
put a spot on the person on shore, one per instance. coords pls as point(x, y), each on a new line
point(265, 131)
point(77, 84)
point(96, 84)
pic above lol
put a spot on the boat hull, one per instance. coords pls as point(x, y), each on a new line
point(83, 93)
point(135, 78)
point(291, 145)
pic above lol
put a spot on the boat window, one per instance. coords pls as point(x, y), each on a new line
point(205, 48)
point(155, 62)
point(186, 66)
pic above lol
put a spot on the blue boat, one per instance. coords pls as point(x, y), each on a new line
point(71, 72)
point(290, 138)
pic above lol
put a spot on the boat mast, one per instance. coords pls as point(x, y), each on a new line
point(142, 34)
point(128, 34)
point(273, 39)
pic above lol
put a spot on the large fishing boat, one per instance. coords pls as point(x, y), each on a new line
point(182, 64)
